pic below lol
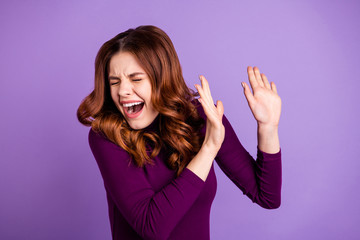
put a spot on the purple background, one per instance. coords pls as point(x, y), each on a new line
point(50, 185)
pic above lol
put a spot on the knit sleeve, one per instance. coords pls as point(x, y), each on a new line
point(260, 180)
point(153, 215)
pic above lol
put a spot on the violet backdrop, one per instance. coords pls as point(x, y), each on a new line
point(50, 185)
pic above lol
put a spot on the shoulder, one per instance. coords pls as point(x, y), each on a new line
point(98, 139)
point(96, 136)
point(105, 151)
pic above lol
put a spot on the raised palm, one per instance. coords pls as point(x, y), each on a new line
point(265, 103)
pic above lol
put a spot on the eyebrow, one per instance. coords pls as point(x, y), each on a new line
point(130, 75)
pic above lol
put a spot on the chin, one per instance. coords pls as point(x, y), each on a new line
point(136, 123)
point(138, 126)
point(135, 126)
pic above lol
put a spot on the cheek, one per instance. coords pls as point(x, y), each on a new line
point(114, 97)
point(145, 93)
point(113, 92)
point(149, 100)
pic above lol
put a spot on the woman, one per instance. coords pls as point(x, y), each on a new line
point(155, 143)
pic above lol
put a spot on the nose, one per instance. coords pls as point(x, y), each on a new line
point(125, 88)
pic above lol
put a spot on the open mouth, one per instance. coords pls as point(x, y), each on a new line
point(133, 108)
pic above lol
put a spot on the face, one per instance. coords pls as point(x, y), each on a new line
point(131, 90)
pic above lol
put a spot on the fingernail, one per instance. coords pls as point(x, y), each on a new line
point(243, 84)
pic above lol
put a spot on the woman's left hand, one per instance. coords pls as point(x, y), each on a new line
point(265, 103)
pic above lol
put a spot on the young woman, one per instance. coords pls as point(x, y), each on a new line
point(155, 142)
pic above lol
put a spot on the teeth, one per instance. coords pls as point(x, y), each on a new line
point(131, 104)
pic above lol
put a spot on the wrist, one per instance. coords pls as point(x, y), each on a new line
point(267, 128)
point(268, 138)
point(209, 150)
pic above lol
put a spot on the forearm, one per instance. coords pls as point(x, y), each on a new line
point(202, 162)
point(268, 138)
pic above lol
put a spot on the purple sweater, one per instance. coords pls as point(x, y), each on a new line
point(152, 203)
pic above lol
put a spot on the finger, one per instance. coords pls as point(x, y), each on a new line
point(220, 108)
point(274, 87)
point(204, 98)
point(210, 113)
point(201, 91)
point(258, 76)
point(266, 82)
point(207, 102)
point(206, 88)
point(252, 78)
point(249, 96)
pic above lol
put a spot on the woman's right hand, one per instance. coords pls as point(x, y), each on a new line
point(215, 130)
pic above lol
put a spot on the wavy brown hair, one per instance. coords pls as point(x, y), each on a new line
point(179, 121)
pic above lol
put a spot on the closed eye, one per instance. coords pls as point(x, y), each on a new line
point(134, 80)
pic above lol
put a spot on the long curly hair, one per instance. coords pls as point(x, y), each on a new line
point(179, 121)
